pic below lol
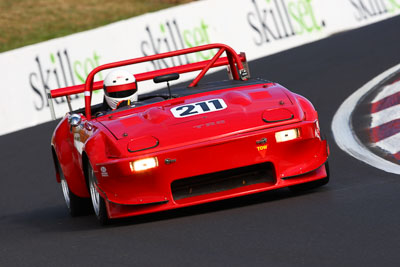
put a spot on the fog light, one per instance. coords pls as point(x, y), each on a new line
point(144, 164)
point(287, 135)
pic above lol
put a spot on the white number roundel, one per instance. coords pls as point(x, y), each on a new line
point(198, 108)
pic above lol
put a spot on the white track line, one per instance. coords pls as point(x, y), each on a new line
point(343, 132)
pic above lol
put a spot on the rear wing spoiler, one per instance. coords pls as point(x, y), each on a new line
point(236, 63)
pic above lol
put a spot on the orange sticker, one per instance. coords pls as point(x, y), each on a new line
point(261, 148)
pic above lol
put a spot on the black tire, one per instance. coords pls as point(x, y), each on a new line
point(311, 185)
point(77, 206)
point(98, 203)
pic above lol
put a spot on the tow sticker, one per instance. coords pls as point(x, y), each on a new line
point(198, 108)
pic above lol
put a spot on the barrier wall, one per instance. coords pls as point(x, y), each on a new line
point(257, 27)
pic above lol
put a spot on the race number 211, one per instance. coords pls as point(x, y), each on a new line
point(198, 108)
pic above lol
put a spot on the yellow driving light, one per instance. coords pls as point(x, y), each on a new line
point(287, 135)
point(144, 164)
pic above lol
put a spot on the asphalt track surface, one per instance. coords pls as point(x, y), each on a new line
point(353, 221)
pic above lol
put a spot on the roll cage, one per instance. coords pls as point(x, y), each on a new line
point(236, 63)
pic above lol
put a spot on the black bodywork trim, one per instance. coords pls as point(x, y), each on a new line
point(157, 143)
point(291, 117)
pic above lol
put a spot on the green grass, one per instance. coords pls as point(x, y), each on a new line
point(24, 22)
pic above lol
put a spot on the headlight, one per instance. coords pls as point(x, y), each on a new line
point(144, 164)
point(287, 135)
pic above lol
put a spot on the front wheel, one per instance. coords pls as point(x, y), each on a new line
point(311, 185)
point(77, 206)
point(99, 205)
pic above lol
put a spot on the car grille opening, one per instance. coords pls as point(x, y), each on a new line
point(222, 181)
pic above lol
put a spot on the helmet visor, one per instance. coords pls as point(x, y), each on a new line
point(121, 94)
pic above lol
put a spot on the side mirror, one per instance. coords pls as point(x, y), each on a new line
point(74, 120)
point(167, 78)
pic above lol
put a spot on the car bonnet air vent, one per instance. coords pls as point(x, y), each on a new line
point(278, 114)
point(142, 143)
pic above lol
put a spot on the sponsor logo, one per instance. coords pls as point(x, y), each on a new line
point(103, 171)
point(365, 9)
point(273, 20)
point(170, 36)
point(59, 70)
point(208, 124)
point(261, 148)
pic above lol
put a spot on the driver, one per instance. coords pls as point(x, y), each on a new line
point(120, 89)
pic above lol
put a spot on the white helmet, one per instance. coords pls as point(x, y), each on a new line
point(119, 85)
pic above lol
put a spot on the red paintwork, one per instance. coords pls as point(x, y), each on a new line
point(199, 144)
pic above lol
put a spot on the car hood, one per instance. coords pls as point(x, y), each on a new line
point(204, 116)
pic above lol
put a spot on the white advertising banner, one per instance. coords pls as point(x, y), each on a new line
point(257, 27)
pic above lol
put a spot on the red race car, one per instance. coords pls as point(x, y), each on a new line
point(176, 147)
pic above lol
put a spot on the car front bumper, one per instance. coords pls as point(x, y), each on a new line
point(232, 166)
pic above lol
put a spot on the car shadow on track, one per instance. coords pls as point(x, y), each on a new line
point(218, 206)
point(56, 218)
